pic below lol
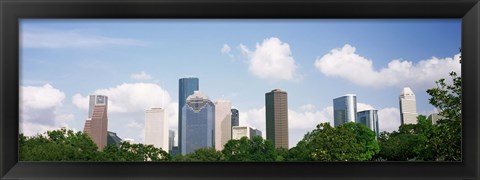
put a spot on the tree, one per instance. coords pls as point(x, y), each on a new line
point(202, 154)
point(65, 145)
point(58, 145)
point(244, 149)
point(446, 137)
point(134, 152)
point(347, 142)
point(408, 143)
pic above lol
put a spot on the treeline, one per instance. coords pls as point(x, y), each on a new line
point(423, 141)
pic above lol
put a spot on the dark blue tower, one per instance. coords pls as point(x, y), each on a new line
point(186, 87)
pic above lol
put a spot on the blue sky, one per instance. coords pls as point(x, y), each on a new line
point(136, 61)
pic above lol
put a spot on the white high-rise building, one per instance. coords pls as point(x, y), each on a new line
point(156, 128)
point(245, 131)
point(223, 123)
point(408, 107)
point(344, 109)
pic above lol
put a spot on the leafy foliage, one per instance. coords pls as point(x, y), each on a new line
point(58, 145)
point(424, 141)
point(65, 145)
point(446, 137)
point(244, 149)
point(202, 154)
point(347, 142)
point(406, 143)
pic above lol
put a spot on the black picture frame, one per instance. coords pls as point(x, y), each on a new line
point(11, 11)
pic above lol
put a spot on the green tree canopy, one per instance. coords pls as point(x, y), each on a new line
point(58, 145)
point(202, 154)
point(244, 149)
point(446, 137)
point(347, 142)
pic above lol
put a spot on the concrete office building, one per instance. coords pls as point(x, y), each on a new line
point(156, 128)
point(198, 123)
point(408, 107)
point(369, 118)
point(257, 132)
point(96, 124)
point(223, 123)
point(276, 112)
point(244, 131)
point(344, 109)
point(186, 87)
point(435, 117)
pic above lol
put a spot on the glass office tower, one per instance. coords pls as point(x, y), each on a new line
point(235, 117)
point(186, 87)
point(344, 109)
point(198, 123)
point(369, 118)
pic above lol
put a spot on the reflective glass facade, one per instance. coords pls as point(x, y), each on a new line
point(369, 118)
point(186, 87)
point(198, 123)
point(344, 109)
point(235, 117)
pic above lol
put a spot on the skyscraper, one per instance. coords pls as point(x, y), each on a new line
point(276, 112)
point(235, 117)
point(223, 123)
point(113, 139)
point(408, 107)
point(156, 128)
point(96, 124)
point(344, 109)
point(198, 123)
point(369, 118)
point(186, 87)
point(257, 132)
point(171, 140)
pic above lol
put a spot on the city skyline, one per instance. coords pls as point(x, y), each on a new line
point(140, 63)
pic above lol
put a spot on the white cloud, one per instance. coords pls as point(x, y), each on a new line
point(272, 59)
point(254, 118)
point(141, 76)
point(128, 98)
point(127, 104)
point(307, 107)
point(388, 119)
point(363, 107)
point(39, 109)
point(347, 64)
point(49, 38)
point(226, 49)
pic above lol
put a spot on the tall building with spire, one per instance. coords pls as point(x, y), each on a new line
point(156, 128)
point(96, 124)
point(408, 106)
point(186, 87)
point(276, 112)
point(198, 123)
point(344, 109)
